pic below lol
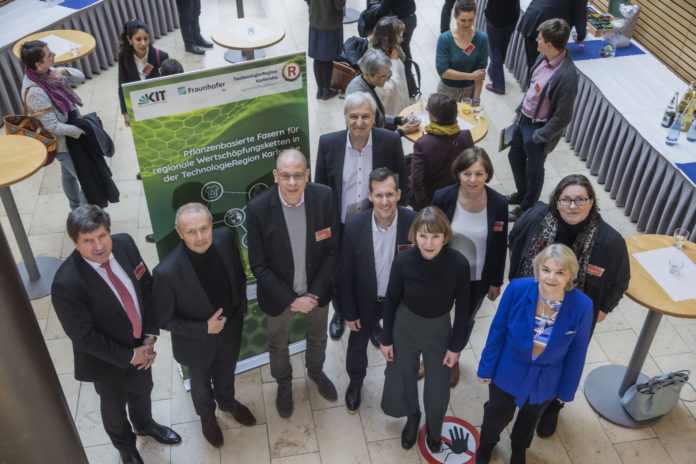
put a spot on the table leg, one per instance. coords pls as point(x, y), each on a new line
point(240, 56)
point(240, 8)
point(350, 15)
point(605, 385)
point(37, 274)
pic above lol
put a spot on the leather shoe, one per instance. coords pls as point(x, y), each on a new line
point(201, 42)
point(150, 238)
point(434, 445)
point(376, 335)
point(161, 433)
point(211, 432)
point(454, 375)
point(410, 432)
point(514, 198)
point(284, 403)
point(515, 214)
point(549, 419)
point(483, 454)
point(138, 176)
point(353, 396)
point(490, 88)
point(325, 386)
point(329, 93)
point(421, 370)
point(195, 49)
point(240, 413)
point(131, 457)
point(336, 326)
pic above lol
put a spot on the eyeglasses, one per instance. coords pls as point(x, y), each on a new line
point(566, 201)
point(384, 77)
point(285, 177)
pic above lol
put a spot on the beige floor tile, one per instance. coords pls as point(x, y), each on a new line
point(468, 397)
point(193, 449)
point(309, 458)
point(103, 454)
point(53, 327)
point(41, 307)
point(618, 434)
point(340, 437)
point(688, 334)
point(151, 450)
point(595, 353)
point(287, 437)
point(245, 444)
point(162, 370)
point(182, 406)
point(613, 322)
point(547, 451)
point(676, 431)
point(89, 423)
point(71, 390)
point(42, 325)
point(618, 346)
point(376, 425)
point(643, 452)
point(49, 214)
point(248, 393)
point(391, 452)
point(61, 353)
point(47, 244)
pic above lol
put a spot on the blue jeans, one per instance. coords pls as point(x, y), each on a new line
point(527, 162)
point(71, 186)
point(498, 40)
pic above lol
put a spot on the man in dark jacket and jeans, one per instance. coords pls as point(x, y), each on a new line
point(543, 114)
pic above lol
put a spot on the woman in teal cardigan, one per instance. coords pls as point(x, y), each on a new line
point(535, 350)
point(462, 55)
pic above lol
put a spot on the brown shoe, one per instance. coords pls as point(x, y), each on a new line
point(454, 375)
point(284, 403)
point(421, 371)
point(325, 387)
point(211, 432)
point(240, 413)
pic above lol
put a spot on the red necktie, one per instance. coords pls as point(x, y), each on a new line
point(126, 298)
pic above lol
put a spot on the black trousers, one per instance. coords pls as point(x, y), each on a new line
point(219, 371)
point(356, 354)
point(189, 11)
point(498, 412)
point(130, 388)
point(446, 15)
point(527, 159)
point(410, 24)
point(530, 49)
point(322, 73)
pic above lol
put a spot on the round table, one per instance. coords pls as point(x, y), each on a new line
point(478, 132)
point(350, 15)
point(605, 385)
point(245, 36)
point(86, 41)
point(20, 157)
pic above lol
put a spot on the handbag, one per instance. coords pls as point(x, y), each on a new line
point(32, 127)
point(341, 75)
point(656, 397)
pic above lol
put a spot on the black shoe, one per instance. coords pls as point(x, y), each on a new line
point(211, 432)
point(240, 413)
point(410, 432)
point(137, 176)
point(353, 396)
point(514, 198)
point(435, 446)
point(376, 335)
point(150, 238)
point(329, 93)
point(195, 49)
point(284, 403)
point(161, 433)
point(336, 326)
point(483, 454)
point(549, 420)
point(131, 457)
point(515, 214)
point(201, 42)
point(519, 455)
point(325, 386)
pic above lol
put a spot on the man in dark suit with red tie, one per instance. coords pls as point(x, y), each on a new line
point(102, 296)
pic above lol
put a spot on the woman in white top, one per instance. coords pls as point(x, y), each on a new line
point(387, 36)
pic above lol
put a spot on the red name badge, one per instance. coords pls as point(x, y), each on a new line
point(537, 89)
point(498, 226)
point(147, 69)
point(469, 48)
point(139, 270)
point(594, 270)
point(402, 247)
point(322, 234)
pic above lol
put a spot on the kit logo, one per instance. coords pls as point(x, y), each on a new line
point(157, 96)
point(181, 90)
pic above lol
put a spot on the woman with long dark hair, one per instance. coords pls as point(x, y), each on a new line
point(388, 36)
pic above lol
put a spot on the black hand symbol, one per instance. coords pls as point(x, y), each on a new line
point(460, 444)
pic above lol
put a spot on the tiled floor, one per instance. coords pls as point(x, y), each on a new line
point(321, 432)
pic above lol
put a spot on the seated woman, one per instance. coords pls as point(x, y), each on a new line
point(535, 350)
point(424, 283)
point(137, 58)
point(434, 152)
point(462, 55)
point(48, 88)
point(387, 36)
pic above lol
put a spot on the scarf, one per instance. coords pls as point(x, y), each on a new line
point(60, 93)
point(437, 129)
point(582, 246)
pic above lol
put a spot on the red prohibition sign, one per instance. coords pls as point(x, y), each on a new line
point(460, 440)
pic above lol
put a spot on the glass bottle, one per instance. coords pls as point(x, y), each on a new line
point(673, 132)
point(671, 111)
point(687, 116)
point(691, 134)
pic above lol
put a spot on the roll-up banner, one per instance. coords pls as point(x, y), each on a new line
point(212, 136)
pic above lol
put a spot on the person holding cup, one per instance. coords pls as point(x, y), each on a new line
point(462, 56)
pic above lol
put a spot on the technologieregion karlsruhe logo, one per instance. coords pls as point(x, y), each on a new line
point(149, 98)
point(291, 71)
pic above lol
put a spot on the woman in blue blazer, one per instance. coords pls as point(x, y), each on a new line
point(535, 350)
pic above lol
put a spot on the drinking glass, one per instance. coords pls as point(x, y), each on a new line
point(477, 111)
point(466, 105)
point(680, 237)
point(675, 266)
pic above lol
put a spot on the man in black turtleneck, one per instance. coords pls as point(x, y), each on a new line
point(200, 296)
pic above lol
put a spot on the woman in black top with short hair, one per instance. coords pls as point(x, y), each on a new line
point(424, 283)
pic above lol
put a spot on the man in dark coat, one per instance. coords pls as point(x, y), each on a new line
point(292, 231)
point(370, 241)
point(200, 291)
point(102, 295)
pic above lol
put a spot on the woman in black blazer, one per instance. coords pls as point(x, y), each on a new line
point(137, 58)
point(478, 215)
